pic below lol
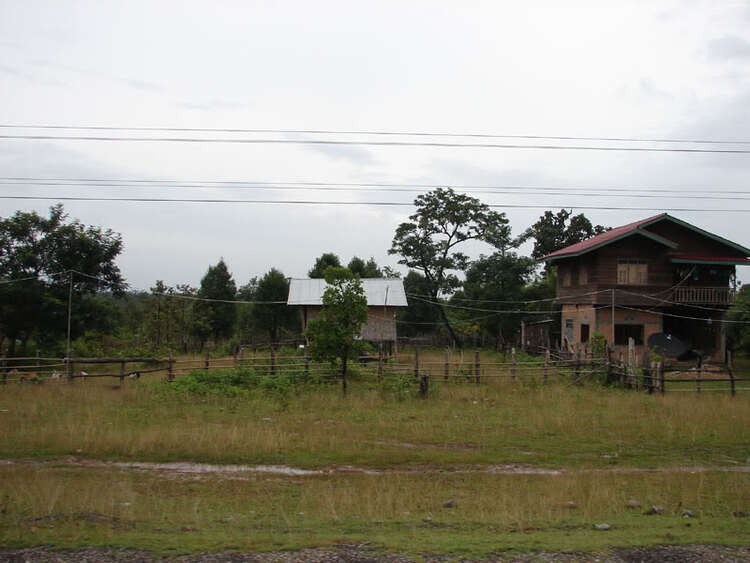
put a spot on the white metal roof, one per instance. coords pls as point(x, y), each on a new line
point(379, 292)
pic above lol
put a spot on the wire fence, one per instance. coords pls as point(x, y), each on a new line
point(425, 365)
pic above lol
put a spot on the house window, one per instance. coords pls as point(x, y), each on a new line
point(584, 333)
point(583, 275)
point(565, 277)
point(624, 332)
point(632, 272)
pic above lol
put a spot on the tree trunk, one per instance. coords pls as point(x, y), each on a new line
point(453, 335)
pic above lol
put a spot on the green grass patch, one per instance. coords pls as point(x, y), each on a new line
point(68, 508)
point(377, 424)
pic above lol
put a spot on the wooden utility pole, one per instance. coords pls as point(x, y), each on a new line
point(613, 316)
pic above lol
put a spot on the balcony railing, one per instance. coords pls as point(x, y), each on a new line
point(703, 295)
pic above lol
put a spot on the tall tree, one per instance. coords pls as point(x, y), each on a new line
point(53, 255)
point(554, 231)
point(326, 260)
point(334, 334)
point(420, 316)
point(271, 313)
point(217, 317)
point(495, 282)
point(364, 269)
point(444, 219)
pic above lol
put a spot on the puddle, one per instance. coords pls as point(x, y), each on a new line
point(238, 471)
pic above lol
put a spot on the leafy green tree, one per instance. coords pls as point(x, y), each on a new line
point(326, 260)
point(364, 269)
point(216, 318)
point(491, 281)
point(271, 313)
point(42, 251)
point(738, 332)
point(445, 219)
point(554, 231)
point(334, 334)
point(419, 317)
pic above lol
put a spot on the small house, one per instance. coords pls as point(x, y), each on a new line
point(384, 297)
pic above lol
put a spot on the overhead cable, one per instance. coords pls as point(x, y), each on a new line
point(374, 132)
point(433, 144)
point(340, 203)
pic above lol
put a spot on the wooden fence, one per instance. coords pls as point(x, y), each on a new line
point(425, 368)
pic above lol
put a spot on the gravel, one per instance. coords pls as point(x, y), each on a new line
point(364, 553)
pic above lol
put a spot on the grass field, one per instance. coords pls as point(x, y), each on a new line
point(424, 451)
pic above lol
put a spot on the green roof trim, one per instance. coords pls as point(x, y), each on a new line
point(647, 234)
point(717, 238)
point(717, 262)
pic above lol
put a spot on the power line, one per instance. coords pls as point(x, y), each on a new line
point(284, 187)
point(433, 185)
point(376, 132)
point(434, 144)
point(708, 320)
point(342, 203)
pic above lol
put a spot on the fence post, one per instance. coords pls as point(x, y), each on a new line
point(380, 361)
point(577, 376)
point(476, 367)
point(38, 363)
point(242, 355)
point(730, 369)
point(4, 367)
point(523, 336)
point(631, 363)
point(546, 364)
point(307, 362)
point(122, 372)
point(273, 363)
point(660, 371)
point(608, 362)
point(647, 377)
point(447, 366)
point(170, 372)
point(234, 357)
point(70, 367)
point(206, 361)
point(513, 363)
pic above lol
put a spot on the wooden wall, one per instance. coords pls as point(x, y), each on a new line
point(380, 325)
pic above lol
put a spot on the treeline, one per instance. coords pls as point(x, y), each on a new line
point(49, 263)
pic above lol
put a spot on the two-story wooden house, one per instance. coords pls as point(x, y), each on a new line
point(657, 275)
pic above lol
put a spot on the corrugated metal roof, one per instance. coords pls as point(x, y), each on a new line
point(601, 239)
point(379, 292)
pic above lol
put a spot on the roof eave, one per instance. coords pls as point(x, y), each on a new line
point(717, 238)
point(652, 236)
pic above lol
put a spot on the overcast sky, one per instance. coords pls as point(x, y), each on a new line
point(613, 69)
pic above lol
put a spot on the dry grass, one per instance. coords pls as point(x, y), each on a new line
point(553, 425)
point(110, 507)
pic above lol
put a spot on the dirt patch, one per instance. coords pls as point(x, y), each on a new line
point(50, 520)
point(364, 553)
point(188, 468)
point(410, 446)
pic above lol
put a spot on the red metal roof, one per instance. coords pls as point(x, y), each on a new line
point(604, 238)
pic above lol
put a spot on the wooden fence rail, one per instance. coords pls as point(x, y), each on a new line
point(576, 366)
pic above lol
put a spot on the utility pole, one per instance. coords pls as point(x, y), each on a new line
point(70, 308)
point(613, 317)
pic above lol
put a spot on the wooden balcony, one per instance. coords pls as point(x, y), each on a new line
point(703, 295)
